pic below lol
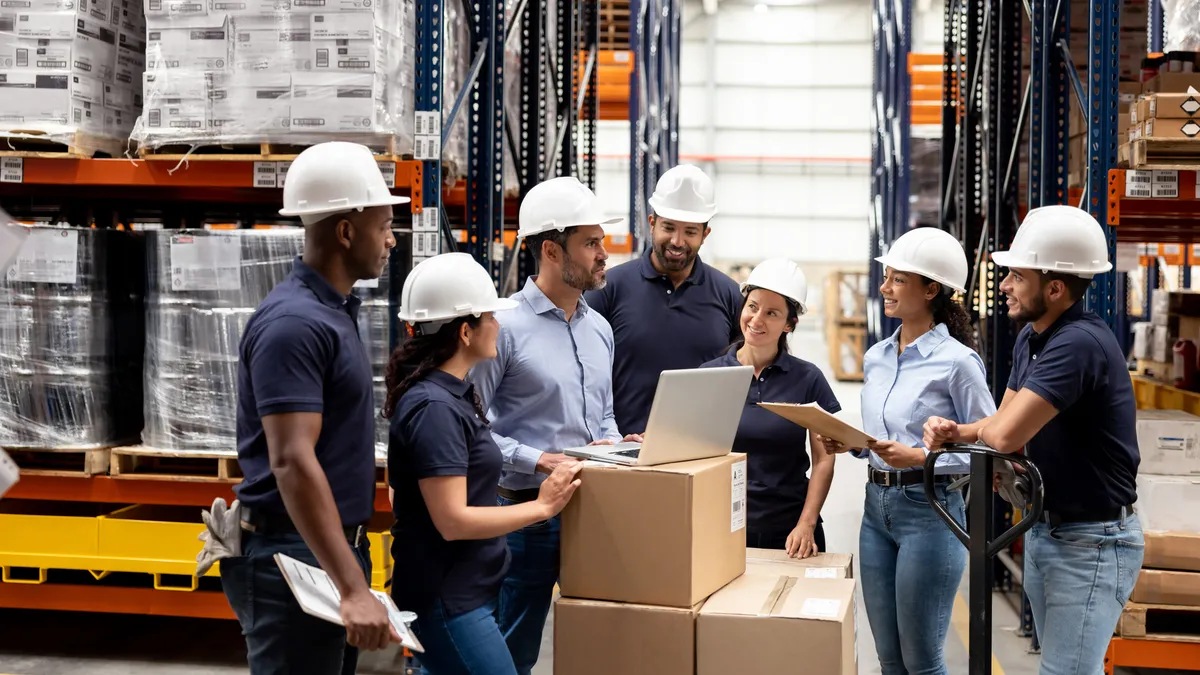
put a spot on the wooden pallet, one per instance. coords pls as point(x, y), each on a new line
point(68, 461)
point(1175, 154)
point(1174, 623)
point(838, 284)
point(847, 345)
point(146, 463)
point(208, 150)
point(78, 145)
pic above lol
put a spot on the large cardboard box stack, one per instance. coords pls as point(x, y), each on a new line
point(253, 71)
point(644, 549)
point(74, 71)
point(1174, 316)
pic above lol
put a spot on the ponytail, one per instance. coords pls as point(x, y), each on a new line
point(420, 355)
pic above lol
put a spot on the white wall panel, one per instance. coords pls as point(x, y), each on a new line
point(840, 65)
point(809, 241)
point(799, 109)
point(778, 195)
point(830, 21)
point(787, 144)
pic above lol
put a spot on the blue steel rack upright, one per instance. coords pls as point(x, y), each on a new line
point(655, 37)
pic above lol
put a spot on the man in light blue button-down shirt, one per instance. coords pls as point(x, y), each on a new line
point(549, 388)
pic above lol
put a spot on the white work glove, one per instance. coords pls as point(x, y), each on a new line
point(1012, 486)
point(222, 535)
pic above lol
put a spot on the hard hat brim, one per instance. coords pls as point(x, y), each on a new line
point(1006, 259)
point(497, 305)
point(392, 200)
point(679, 215)
point(787, 295)
point(901, 266)
point(619, 220)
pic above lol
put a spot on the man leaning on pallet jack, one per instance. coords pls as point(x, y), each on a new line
point(305, 428)
point(1070, 405)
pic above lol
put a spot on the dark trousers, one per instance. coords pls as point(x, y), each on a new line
point(281, 639)
point(777, 539)
point(528, 589)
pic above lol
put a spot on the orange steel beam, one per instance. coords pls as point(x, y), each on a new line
point(1124, 653)
point(115, 600)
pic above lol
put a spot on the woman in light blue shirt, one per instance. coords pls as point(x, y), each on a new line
point(911, 563)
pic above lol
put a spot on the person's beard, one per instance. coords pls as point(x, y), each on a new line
point(580, 278)
point(1030, 312)
point(669, 265)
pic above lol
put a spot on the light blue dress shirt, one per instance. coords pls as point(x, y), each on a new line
point(936, 376)
point(550, 385)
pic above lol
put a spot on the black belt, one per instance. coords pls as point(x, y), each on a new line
point(1056, 518)
point(266, 523)
point(901, 478)
point(519, 496)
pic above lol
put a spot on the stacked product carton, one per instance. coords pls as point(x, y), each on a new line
point(73, 71)
point(279, 71)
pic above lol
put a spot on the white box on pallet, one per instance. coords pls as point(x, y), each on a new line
point(188, 43)
point(119, 123)
point(47, 25)
point(107, 12)
point(131, 59)
point(272, 43)
point(1169, 503)
point(91, 52)
point(176, 9)
point(346, 102)
point(251, 104)
point(251, 8)
point(121, 97)
point(1169, 442)
point(94, 49)
point(38, 100)
point(176, 100)
point(354, 56)
point(343, 26)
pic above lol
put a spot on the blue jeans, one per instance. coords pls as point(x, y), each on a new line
point(466, 644)
point(281, 639)
point(911, 566)
point(528, 589)
point(1078, 577)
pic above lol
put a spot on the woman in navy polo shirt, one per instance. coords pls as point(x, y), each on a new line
point(784, 505)
point(911, 563)
point(448, 541)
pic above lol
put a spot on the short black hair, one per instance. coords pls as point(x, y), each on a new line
point(534, 242)
point(1076, 286)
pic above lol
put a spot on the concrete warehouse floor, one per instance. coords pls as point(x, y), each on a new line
point(51, 643)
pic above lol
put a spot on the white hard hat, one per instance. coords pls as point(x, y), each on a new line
point(560, 203)
point(334, 177)
point(685, 194)
point(934, 254)
point(1058, 239)
point(782, 276)
point(446, 287)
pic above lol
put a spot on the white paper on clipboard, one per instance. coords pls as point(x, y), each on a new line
point(812, 417)
point(318, 597)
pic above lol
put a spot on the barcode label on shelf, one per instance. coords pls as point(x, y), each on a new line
point(206, 263)
point(1132, 191)
point(1164, 191)
point(388, 169)
point(265, 175)
point(427, 148)
point(281, 169)
point(427, 123)
point(12, 170)
point(427, 220)
point(48, 256)
point(1160, 176)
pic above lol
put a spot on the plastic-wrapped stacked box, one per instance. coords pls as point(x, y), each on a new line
point(279, 71)
point(73, 70)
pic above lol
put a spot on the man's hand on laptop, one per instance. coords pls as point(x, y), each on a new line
point(631, 438)
point(548, 460)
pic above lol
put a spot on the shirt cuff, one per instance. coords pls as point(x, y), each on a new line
point(525, 459)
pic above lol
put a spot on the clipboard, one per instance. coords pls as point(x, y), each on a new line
point(318, 597)
point(812, 417)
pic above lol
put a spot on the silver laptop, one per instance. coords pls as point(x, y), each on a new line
point(695, 415)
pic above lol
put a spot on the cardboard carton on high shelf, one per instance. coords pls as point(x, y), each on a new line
point(765, 623)
point(1169, 503)
point(1161, 587)
point(1169, 442)
point(1171, 83)
point(1173, 106)
point(819, 566)
point(1178, 551)
point(1171, 128)
point(592, 637)
point(1181, 303)
point(667, 535)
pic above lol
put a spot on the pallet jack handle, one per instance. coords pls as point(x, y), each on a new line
point(981, 546)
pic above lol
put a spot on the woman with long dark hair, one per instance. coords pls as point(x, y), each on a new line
point(783, 510)
point(911, 563)
point(443, 468)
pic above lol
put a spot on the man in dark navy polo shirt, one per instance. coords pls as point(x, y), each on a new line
point(668, 310)
point(1070, 404)
point(305, 424)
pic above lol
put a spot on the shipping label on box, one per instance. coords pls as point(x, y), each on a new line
point(678, 515)
point(343, 26)
point(763, 623)
point(250, 104)
point(337, 102)
point(38, 5)
point(51, 26)
point(158, 9)
point(251, 8)
point(190, 45)
point(351, 55)
point(280, 44)
point(602, 638)
point(1169, 442)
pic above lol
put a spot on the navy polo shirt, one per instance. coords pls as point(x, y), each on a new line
point(776, 478)
point(658, 327)
point(1087, 454)
point(301, 352)
point(436, 432)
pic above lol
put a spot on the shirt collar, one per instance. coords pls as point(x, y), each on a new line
point(325, 292)
point(541, 304)
point(782, 361)
point(926, 343)
point(459, 388)
point(1073, 313)
point(648, 270)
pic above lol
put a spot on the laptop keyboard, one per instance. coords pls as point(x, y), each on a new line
point(627, 453)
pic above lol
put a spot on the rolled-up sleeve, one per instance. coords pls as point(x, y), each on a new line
point(487, 377)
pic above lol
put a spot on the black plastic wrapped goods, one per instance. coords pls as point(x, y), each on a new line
point(71, 339)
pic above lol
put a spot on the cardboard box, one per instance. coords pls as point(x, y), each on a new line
point(46, 25)
point(1178, 551)
point(176, 100)
point(1182, 303)
point(343, 26)
point(56, 103)
point(251, 104)
point(268, 43)
point(1160, 587)
point(1169, 503)
point(1171, 128)
point(666, 535)
point(179, 9)
point(1162, 345)
point(820, 566)
point(770, 624)
point(119, 123)
point(602, 638)
point(94, 49)
point(120, 97)
point(1173, 106)
point(1171, 83)
point(1169, 442)
point(350, 55)
point(192, 43)
point(131, 60)
point(251, 8)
